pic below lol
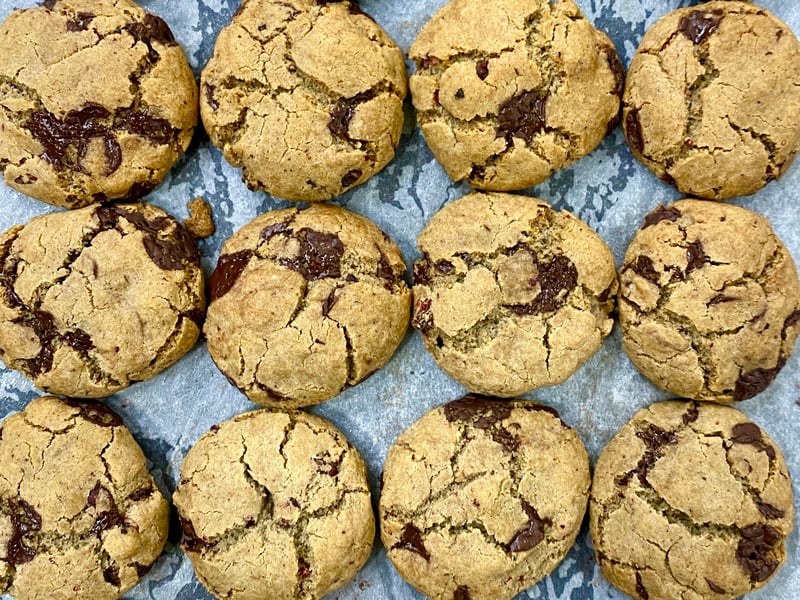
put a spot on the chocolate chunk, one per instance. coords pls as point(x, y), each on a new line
point(26, 179)
point(691, 415)
point(328, 303)
point(271, 231)
point(482, 69)
point(140, 122)
point(208, 90)
point(44, 327)
point(640, 589)
point(770, 511)
point(423, 318)
point(113, 154)
point(106, 519)
point(142, 570)
point(351, 177)
point(445, 267)
point(191, 541)
point(78, 340)
point(320, 255)
point(746, 433)
point(461, 593)
point(655, 438)
point(477, 173)
point(698, 25)
point(791, 320)
point(80, 22)
point(633, 131)
point(753, 552)
point(644, 267)
point(522, 116)
point(605, 294)
point(229, 268)
point(714, 587)
point(340, 119)
point(754, 382)
point(174, 253)
point(411, 539)
point(96, 413)
point(695, 256)
point(459, 93)
point(556, 280)
point(111, 575)
point(153, 29)
point(384, 271)
point(24, 520)
point(533, 534)
point(612, 58)
point(421, 271)
point(141, 493)
point(490, 410)
point(661, 213)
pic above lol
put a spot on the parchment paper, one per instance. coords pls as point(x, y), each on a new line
point(608, 189)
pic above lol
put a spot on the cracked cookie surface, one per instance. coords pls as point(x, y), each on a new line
point(482, 498)
point(709, 301)
point(97, 101)
point(712, 99)
point(511, 295)
point(80, 515)
point(306, 96)
point(275, 505)
point(94, 299)
point(509, 92)
point(690, 500)
point(305, 303)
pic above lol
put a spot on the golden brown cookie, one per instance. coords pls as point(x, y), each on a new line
point(690, 500)
point(94, 299)
point(709, 301)
point(274, 505)
point(305, 303)
point(511, 295)
point(508, 92)
point(712, 99)
point(306, 96)
point(80, 515)
point(482, 498)
point(97, 101)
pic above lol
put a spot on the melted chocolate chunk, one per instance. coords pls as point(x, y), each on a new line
point(173, 254)
point(153, 29)
point(471, 406)
point(191, 541)
point(320, 255)
point(24, 520)
point(44, 327)
point(640, 589)
point(606, 294)
point(769, 511)
point(137, 190)
point(79, 340)
point(384, 271)
point(445, 267)
point(754, 550)
point(655, 438)
point(791, 320)
point(229, 268)
point(482, 69)
point(80, 22)
point(522, 116)
point(696, 257)
point(533, 534)
point(340, 119)
point(691, 415)
point(461, 593)
point(423, 318)
point(754, 382)
point(411, 539)
point(698, 25)
point(142, 570)
point(661, 213)
point(351, 177)
point(714, 587)
point(140, 122)
point(106, 519)
point(271, 231)
point(96, 413)
point(556, 279)
point(111, 575)
point(619, 83)
point(208, 90)
point(645, 267)
point(750, 433)
point(633, 131)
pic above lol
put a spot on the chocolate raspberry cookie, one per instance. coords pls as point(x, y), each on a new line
point(97, 101)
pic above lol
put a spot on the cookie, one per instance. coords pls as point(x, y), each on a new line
point(690, 500)
point(97, 101)
point(80, 515)
point(306, 96)
point(712, 99)
point(305, 303)
point(94, 299)
point(509, 92)
point(482, 498)
point(274, 505)
point(709, 302)
point(511, 295)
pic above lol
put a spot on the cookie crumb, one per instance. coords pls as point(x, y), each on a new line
point(201, 220)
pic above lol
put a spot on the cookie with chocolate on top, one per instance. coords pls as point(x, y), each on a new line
point(482, 498)
point(97, 101)
point(690, 500)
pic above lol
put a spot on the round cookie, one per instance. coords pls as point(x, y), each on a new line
point(97, 101)
point(690, 500)
point(712, 99)
point(306, 96)
point(295, 519)
point(482, 498)
point(80, 515)
point(305, 303)
point(709, 302)
point(509, 92)
point(511, 295)
point(94, 299)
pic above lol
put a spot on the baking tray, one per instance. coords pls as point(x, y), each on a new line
point(608, 189)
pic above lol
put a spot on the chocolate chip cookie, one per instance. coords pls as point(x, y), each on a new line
point(304, 303)
point(94, 299)
point(306, 96)
point(80, 515)
point(275, 505)
point(511, 295)
point(482, 498)
point(690, 500)
point(712, 99)
point(508, 92)
point(710, 301)
point(97, 101)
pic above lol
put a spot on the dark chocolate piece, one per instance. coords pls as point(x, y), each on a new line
point(482, 69)
point(696, 257)
point(351, 177)
point(140, 122)
point(770, 511)
point(411, 539)
point(754, 551)
point(229, 268)
point(320, 255)
point(633, 131)
point(271, 231)
point(96, 413)
point(106, 519)
point(24, 520)
point(533, 534)
point(661, 213)
point(522, 116)
point(754, 382)
point(111, 575)
point(208, 90)
point(556, 280)
point(699, 25)
point(80, 22)
point(644, 267)
point(640, 589)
